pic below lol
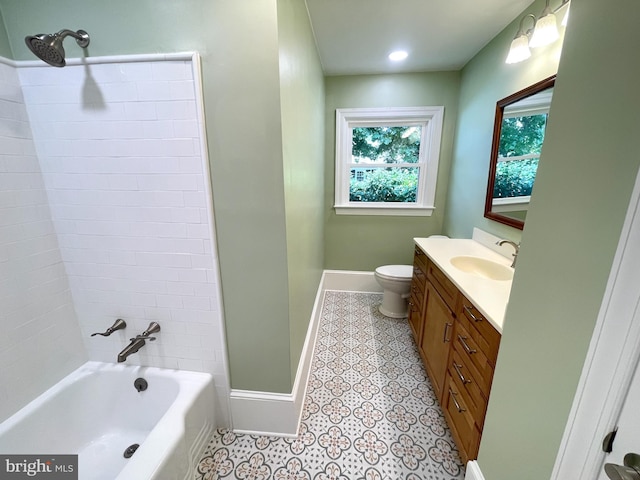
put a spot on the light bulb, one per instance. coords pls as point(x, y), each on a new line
point(519, 50)
point(546, 30)
point(398, 55)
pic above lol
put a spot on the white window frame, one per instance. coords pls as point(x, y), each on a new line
point(429, 118)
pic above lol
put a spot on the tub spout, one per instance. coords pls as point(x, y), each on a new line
point(138, 342)
point(135, 345)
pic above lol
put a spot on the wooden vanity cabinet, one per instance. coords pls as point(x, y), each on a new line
point(458, 347)
point(441, 299)
point(471, 365)
point(418, 287)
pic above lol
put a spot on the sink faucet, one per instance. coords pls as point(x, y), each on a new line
point(515, 246)
point(138, 342)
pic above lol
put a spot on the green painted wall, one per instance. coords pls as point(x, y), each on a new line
point(245, 141)
point(359, 242)
point(485, 80)
point(587, 171)
point(239, 44)
point(302, 104)
point(5, 47)
point(147, 26)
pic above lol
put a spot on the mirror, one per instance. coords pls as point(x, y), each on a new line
point(518, 135)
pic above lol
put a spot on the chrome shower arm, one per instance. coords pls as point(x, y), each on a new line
point(82, 37)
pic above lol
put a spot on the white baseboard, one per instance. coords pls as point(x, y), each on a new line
point(263, 413)
point(473, 471)
point(279, 414)
point(350, 281)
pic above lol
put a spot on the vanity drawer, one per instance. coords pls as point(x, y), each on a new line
point(461, 421)
point(466, 346)
point(487, 337)
point(445, 287)
point(419, 279)
point(420, 259)
point(464, 377)
point(417, 294)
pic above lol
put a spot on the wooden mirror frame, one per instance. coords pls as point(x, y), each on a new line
point(493, 162)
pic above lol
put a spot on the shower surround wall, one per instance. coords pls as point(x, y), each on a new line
point(40, 341)
point(120, 146)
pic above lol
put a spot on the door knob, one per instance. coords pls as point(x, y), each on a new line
point(630, 470)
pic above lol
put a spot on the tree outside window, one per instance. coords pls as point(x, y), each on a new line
point(390, 146)
point(521, 140)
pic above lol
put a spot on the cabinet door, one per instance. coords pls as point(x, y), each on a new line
point(436, 338)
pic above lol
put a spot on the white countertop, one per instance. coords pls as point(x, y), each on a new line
point(490, 297)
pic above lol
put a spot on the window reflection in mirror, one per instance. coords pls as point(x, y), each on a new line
point(519, 130)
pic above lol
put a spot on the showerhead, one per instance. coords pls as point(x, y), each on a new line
point(48, 46)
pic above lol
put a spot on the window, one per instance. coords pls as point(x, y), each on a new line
point(387, 160)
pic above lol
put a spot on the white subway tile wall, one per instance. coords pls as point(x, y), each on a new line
point(120, 151)
point(39, 335)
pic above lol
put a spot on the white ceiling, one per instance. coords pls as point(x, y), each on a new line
point(355, 36)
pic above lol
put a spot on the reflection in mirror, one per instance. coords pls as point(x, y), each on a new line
point(518, 135)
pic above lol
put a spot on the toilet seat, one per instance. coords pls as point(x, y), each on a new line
point(395, 272)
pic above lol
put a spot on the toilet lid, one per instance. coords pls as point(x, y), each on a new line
point(396, 271)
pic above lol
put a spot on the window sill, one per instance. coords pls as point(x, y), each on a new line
point(509, 204)
point(384, 210)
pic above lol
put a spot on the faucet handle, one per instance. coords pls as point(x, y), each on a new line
point(119, 324)
point(146, 335)
point(152, 328)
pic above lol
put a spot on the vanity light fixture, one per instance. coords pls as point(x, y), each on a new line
point(519, 50)
point(546, 30)
point(543, 32)
point(398, 55)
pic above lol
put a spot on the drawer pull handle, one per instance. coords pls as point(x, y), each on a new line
point(455, 402)
point(457, 369)
point(466, 346)
point(470, 313)
point(446, 330)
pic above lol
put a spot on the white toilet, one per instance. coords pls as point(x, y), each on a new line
point(396, 283)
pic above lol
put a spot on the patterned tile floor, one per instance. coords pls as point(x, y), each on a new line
point(370, 412)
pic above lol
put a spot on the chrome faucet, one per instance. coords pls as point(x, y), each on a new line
point(516, 247)
point(139, 341)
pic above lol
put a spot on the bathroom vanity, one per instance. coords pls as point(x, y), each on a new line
point(459, 293)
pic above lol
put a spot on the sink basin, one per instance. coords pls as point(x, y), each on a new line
point(482, 267)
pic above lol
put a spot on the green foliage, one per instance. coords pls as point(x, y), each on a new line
point(515, 178)
point(385, 185)
point(386, 144)
point(519, 136)
point(522, 135)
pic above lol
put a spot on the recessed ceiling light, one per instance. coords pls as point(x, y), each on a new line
point(398, 55)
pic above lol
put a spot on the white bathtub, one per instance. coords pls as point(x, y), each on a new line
point(96, 412)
